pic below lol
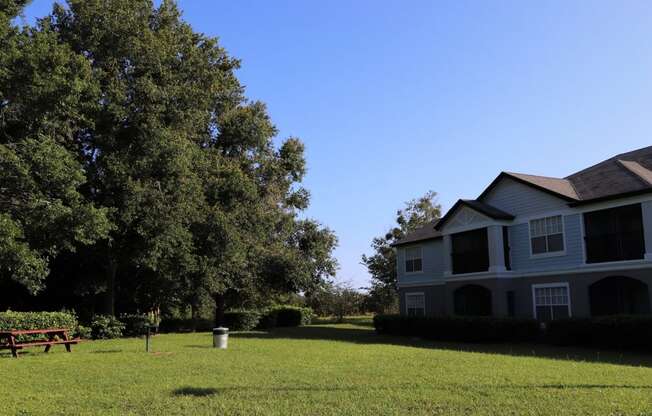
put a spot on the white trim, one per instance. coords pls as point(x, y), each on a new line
point(613, 203)
point(418, 284)
point(415, 294)
point(476, 226)
point(545, 285)
point(511, 274)
point(583, 238)
point(405, 259)
point(550, 253)
point(520, 219)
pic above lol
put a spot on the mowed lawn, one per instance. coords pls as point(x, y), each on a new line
point(321, 370)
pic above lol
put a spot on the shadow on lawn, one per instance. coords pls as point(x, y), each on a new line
point(252, 391)
point(106, 351)
point(362, 335)
point(195, 391)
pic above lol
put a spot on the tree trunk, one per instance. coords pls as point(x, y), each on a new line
point(109, 295)
point(220, 306)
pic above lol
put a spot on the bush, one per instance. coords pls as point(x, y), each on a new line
point(267, 320)
point(620, 331)
point(241, 320)
point(38, 320)
point(286, 315)
point(106, 327)
point(83, 332)
point(186, 325)
point(459, 329)
point(135, 324)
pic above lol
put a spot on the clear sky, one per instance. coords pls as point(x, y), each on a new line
point(394, 98)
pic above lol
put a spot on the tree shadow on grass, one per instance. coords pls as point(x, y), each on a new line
point(362, 335)
point(195, 391)
point(106, 351)
point(253, 391)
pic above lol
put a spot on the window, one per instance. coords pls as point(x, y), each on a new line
point(415, 304)
point(470, 251)
point(551, 301)
point(547, 235)
point(413, 262)
point(614, 234)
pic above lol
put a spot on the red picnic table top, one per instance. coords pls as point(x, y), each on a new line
point(55, 336)
point(33, 331)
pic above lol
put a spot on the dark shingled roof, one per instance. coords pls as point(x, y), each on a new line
point(427, 232)
point(622, 175)
point(557, 185)
point(626, 173)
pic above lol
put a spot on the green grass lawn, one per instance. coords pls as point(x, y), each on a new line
point(321, 370)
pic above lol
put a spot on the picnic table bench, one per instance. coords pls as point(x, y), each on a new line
point(53, 336)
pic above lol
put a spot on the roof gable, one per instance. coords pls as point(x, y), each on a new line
point(561, 188)
point(466, 212)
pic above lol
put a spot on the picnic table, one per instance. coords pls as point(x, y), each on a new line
point(54, 336)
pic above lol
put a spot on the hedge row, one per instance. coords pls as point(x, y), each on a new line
point(631, 332)
point(619, 331)
point(38, 320)
point(107, 326)
point(186, 325)
point(277, 316)
point(101, 327)
point(476, 329)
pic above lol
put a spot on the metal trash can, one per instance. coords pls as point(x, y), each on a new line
point(220, 338)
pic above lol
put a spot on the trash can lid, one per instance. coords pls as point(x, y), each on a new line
point(220, 331)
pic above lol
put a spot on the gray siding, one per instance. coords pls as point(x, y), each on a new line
point(518, 199)
point(519, 242)
point(435, 297)
point(433, 263)
point(440, 299)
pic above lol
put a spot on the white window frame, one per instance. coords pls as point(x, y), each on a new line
point(563, 237)
point(551, 285)
point(405, 259)
point(408, 294)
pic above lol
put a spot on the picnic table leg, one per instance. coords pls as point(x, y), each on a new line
point(50, 338)
point(65, 338)
point(12, 343)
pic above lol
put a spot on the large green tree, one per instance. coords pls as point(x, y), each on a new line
point(44, 87)
point(180, 190)
point(381, 265)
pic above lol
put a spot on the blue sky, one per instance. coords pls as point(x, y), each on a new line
point(393, 98)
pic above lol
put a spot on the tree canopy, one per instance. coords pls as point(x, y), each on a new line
point(382, 263)
point(129, 149)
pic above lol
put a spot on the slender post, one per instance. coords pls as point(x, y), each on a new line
point(147, 339)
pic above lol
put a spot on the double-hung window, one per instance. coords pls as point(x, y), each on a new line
point(547, 235)
point(415, 304)
point(413, 260)
point(551, 301)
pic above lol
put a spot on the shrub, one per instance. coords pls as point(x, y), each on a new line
point(267, 320)
point(83, 332)
point(38, 320)
point(186, 325)
point(286, 315)
point(106, 327)
point(241, 320)
point(135, 324)
point(459, 329)
point(619, 331)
